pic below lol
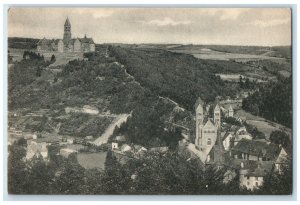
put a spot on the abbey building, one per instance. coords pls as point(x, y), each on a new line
point(208, 134)
point(67, 44)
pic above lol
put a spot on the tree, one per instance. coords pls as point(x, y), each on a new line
point(53, 59)
point(280, 137)
point(17, 172)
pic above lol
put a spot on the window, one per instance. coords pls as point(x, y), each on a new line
point(248, 183)
point(209, 141)
point(256, 183)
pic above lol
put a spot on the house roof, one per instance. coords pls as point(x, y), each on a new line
point(125, 147)
point(257, 148)
point(48, 41)
point(120, 138)
point(44, 41)
point(226, 135)
point(86, 40)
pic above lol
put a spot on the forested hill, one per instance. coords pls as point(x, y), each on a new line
point(22, 43)
point(273, 101)
point(180, 77)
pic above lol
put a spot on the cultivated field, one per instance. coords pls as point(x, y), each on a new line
point(209, 54)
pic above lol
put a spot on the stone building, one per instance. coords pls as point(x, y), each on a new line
point(208, 135)
point(67, 44)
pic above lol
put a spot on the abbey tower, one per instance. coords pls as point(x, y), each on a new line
point(67, 31)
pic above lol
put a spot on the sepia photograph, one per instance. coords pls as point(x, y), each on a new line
point(149, 101)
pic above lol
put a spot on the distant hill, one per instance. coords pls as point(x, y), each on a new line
point(22, 43)
point(276, 51)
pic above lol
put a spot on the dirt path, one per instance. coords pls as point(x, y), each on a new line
point(110, 130)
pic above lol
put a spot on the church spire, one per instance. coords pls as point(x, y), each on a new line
point(67, 22)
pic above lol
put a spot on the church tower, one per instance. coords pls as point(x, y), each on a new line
point(67, 31)
point(217, 116)
point(199, 121)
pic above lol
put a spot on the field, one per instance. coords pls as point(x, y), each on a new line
point(206, 53)
point(236, 77)
point(92, 160)
point(261, 123)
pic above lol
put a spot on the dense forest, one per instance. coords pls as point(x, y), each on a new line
point(180, 77)
point(273, 102)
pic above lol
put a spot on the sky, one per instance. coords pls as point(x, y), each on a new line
point(222, 26)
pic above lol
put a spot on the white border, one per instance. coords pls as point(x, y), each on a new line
point(132, 3)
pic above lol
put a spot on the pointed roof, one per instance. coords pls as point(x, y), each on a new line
point(67, 22)
point(217, 108)
point(199, 102)
point(86, 40)
point(44, 41)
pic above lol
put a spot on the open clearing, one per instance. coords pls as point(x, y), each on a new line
point(92, 160)
point(261, 123)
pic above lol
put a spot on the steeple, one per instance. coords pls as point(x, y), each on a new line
point(67, 31)
point(67, 22)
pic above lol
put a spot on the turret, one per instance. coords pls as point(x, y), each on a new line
point(217, 115)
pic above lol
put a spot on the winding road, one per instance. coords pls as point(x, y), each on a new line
point(110, 130)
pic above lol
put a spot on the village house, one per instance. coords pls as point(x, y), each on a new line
point(228, 140)
point(252, 174)
point(90, 110)
point(35, 149)
point(65, 152)
point(255, 150)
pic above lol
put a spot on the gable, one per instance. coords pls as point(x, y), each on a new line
point(209, 125)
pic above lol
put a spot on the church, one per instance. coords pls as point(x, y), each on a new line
point(208, 135)
point(67, 44)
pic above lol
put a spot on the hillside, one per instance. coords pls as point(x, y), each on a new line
point(273, 102)
point(98, 82)
point(180, 77)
